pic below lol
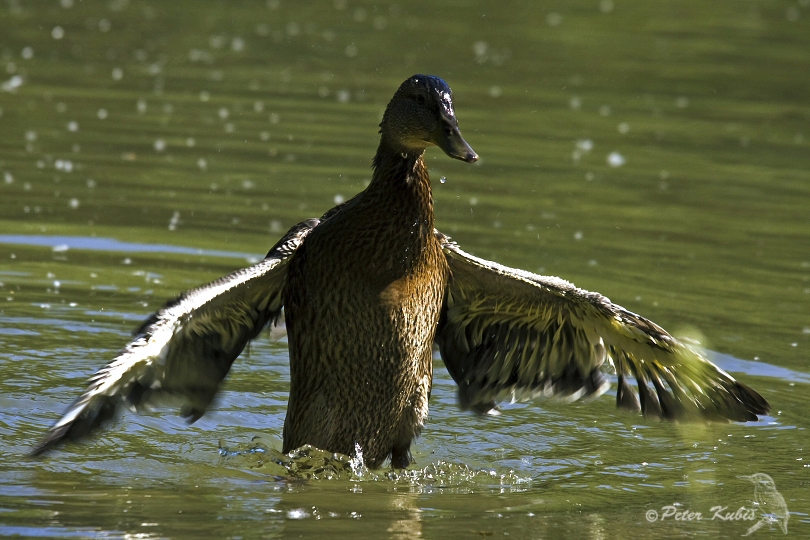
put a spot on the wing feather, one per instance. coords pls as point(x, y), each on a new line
point(184, 350)
point(508, 332)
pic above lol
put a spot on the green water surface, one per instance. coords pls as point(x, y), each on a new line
point(657, 152)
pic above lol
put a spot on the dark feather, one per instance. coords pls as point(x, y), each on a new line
point(507, 333)
point(184, 350)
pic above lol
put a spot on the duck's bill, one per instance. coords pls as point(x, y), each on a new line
point(448, 138)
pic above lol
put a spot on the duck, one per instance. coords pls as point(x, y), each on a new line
point(368, 289)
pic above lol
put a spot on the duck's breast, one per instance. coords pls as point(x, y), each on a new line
point(362, 311)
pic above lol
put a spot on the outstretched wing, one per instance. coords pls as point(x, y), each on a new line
point(507, 333)
point(184, 350)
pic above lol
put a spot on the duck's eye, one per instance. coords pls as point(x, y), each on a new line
point(420, 99)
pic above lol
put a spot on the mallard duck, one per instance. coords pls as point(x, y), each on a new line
point(368, 289)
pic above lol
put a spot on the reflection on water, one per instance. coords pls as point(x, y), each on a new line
point(63, 243)
point(657, 154)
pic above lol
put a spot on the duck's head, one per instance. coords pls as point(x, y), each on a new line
point(421, 114)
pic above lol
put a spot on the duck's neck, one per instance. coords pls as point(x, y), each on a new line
point(401, 186)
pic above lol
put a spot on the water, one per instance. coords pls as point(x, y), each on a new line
point(657, 154)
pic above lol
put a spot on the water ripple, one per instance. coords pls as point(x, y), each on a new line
point(93, 243)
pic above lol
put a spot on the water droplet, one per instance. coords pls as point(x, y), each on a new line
point(293, 29)
point(174, 221)
point(63, 165)
point(793, 14)
point(443, 179)
point(615, 159)
point(480, 49)
point(360, 15)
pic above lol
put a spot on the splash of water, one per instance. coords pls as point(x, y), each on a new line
point(357, 464)
point(314, 464)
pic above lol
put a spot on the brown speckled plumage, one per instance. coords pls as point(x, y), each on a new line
point(369, 282)
point(367, 290)
point(371, 290)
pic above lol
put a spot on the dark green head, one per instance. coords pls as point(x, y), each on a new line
point(421, 114)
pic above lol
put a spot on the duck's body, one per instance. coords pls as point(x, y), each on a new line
point(368, 289)
point(372, 291)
